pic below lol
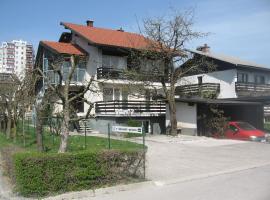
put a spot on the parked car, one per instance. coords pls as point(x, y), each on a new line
point(244, 131)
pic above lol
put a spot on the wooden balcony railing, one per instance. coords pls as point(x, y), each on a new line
point(198, 89)
point(112, 73)
point(130, 108)
point(252, 89)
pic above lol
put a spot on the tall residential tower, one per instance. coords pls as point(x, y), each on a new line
point(16, 57)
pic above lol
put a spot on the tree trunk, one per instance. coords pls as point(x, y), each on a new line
point(39, 125)
point(8, 130)
point(64, 131)
point(15, 131)
point(64, 139)
point(173, 121)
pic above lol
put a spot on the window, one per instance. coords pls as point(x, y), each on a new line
point(199, 80)
point(116, 94)
point(259, 79)
point(115, 62)
point(245, 126)
point(233, 128)
point(242, 77)
point(107, 94)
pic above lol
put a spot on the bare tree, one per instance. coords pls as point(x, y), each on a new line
point(167, 38)
point(63, 93)
point(9, 85)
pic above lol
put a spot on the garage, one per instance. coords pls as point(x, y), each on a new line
point(201, 109)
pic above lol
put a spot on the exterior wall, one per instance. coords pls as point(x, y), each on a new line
point(186, 116)
point(226, 79)
point(94, 62)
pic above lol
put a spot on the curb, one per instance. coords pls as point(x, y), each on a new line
point(119, 188)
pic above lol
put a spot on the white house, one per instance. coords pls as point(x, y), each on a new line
point(107, 52)
point(240, 88)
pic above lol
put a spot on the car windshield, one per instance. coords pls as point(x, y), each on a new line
point(245, 126)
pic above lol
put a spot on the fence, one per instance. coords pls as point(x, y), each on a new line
point(126, 137)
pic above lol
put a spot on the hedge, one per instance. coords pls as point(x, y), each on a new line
point(38, 174)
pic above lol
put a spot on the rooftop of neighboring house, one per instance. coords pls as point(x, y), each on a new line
point(205, 51)
point(63, 48)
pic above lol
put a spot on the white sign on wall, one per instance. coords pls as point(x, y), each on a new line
point(125, 129)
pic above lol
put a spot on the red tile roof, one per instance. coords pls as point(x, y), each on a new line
point(109, 37)
point(63, 48)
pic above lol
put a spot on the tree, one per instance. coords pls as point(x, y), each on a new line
point(9, 85)
point(167, 38)
point(59, 85)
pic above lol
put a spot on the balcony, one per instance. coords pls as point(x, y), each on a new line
point(114, 74)
point(53, 77)
point(130, 108)
point(252, 89)
point(204, 89)
point(110, 73)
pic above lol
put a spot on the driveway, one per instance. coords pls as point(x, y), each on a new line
point(195, 168)
point(182, 157)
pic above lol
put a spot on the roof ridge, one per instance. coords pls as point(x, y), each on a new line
point(102, 28)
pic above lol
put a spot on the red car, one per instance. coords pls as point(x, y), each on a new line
point(244, 131)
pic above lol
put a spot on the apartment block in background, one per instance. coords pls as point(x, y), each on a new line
point(16, 57)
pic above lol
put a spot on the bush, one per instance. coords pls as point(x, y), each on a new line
point(40, 174)
point(134, 123)
point(131, 135)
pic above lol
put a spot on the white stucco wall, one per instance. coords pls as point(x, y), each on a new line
point(226, 79)
point(186, 115)
point(95, 61)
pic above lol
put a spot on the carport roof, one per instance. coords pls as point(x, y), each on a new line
point(215, 101)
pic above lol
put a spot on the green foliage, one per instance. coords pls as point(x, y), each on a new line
point(40, 174)
point(267, 126)
point(75, 143)
point(218, 122)
point(130, 135)
point(134, 123)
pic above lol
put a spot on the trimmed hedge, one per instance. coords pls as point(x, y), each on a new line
point(40, 174)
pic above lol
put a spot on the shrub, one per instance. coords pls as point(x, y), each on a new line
point(134, 123)
point(131, 135)
point(40, 174)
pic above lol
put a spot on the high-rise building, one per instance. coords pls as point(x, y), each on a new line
point(16, 57)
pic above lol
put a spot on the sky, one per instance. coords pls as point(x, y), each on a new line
point(239, 28)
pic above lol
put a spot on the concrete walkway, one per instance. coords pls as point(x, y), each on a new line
point(185, 160)
point(173, 158)
point(174, 163)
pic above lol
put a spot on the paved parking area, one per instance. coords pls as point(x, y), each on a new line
point(195, 168)
point(187, 156)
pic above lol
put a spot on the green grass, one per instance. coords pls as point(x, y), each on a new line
point(267, 126)
point(75, 143)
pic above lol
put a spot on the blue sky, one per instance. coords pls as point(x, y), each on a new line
point(238, 28)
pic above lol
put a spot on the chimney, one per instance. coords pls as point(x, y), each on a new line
point(90, 23)
point(205, 48)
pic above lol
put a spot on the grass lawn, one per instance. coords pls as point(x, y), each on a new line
point(76, 143)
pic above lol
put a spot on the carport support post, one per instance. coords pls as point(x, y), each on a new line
point(109, 136)
point(143, 134)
